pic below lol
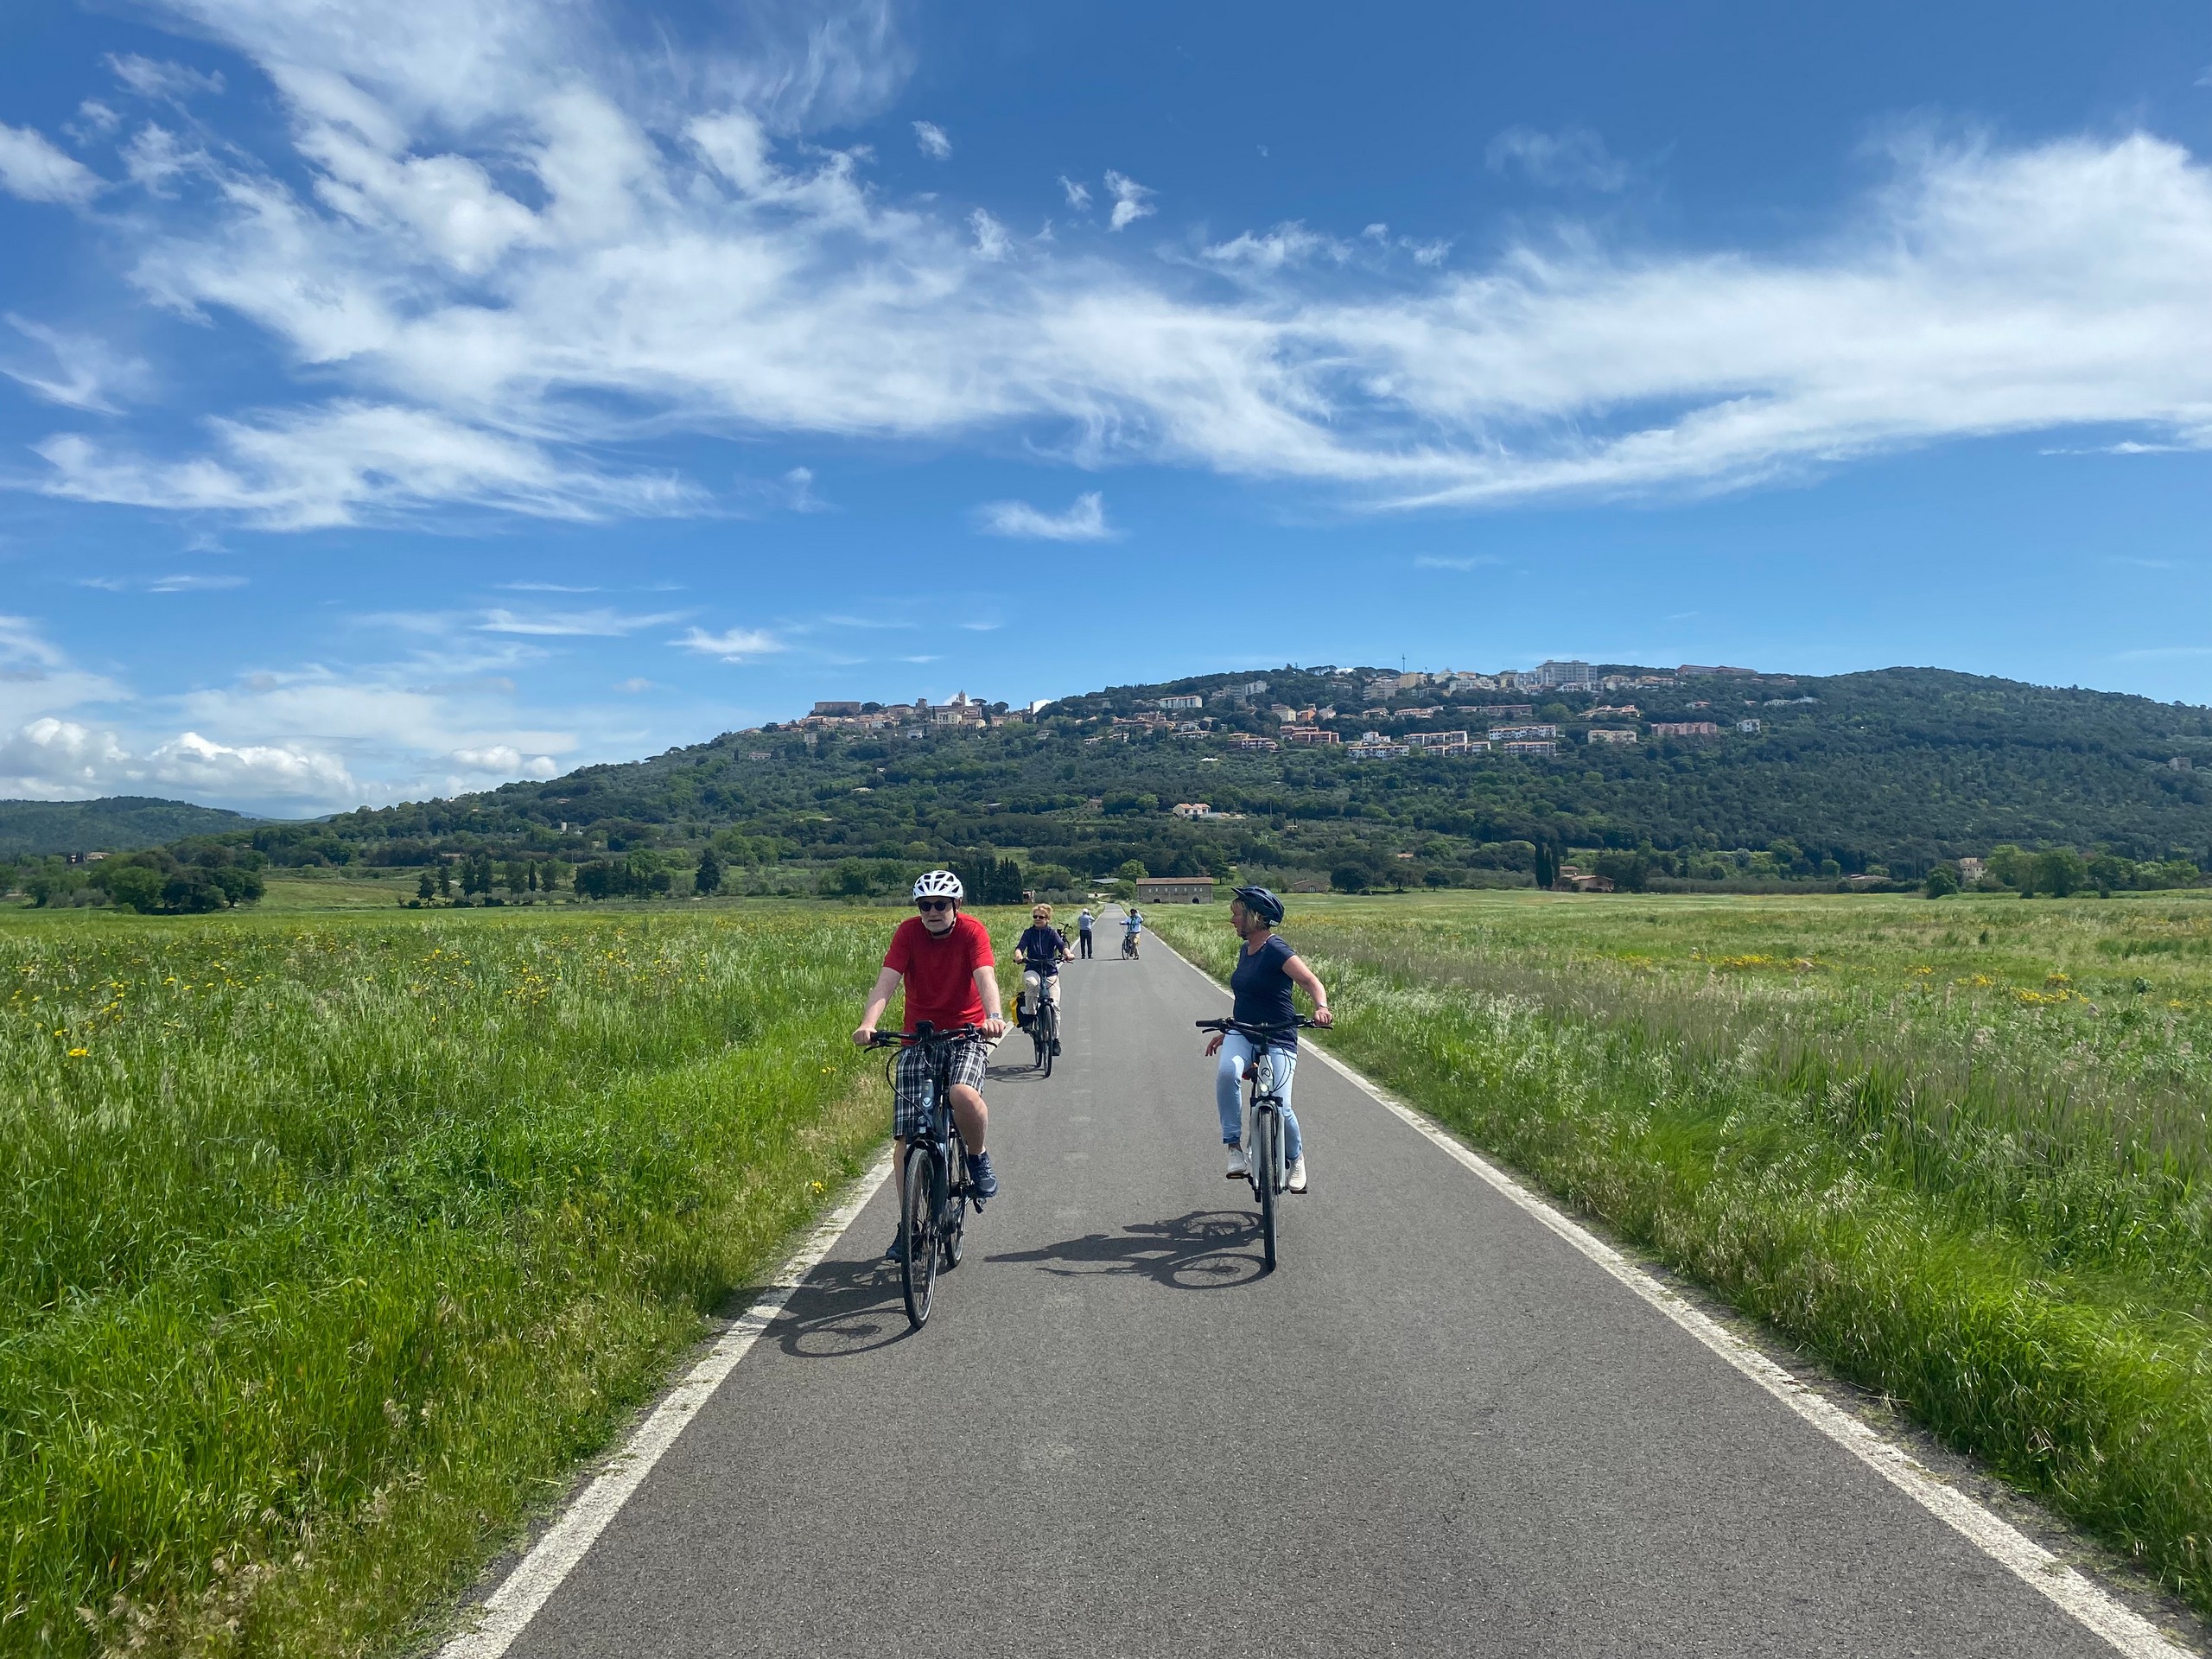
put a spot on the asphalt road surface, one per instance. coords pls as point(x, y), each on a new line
point(1436, 1429)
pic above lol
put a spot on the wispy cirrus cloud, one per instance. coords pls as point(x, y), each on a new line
point(598, 624)
point(1455, 561)
point(929, 138)
point(175, 583)
point(313, 470)
point(1573, 156)
point(1084, 521)
point(509, 231)
point(81, 371)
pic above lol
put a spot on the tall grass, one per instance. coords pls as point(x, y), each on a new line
point(326, 1249)
point(1951, 1148)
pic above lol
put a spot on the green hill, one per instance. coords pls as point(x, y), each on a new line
point(115, 824)
point(1899, 768)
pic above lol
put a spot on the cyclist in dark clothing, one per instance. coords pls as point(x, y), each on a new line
point(1267, 970)
point(1041, 950)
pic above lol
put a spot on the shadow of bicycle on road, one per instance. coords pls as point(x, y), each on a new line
point(1206, 1249)
point(844, 1308)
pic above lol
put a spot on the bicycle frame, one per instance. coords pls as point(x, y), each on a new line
point(935, 1168)
point(1264, 1147)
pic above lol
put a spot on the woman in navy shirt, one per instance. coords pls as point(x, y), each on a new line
point(1267, 969)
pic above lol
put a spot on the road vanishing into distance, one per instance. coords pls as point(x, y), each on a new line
point(1437, 1427)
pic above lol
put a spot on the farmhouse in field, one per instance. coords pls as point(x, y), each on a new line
point(1174, 890)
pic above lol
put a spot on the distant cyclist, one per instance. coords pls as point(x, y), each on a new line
point(1267, 969)
point(1132, 930)
point(1083, 932)
point(945, 959)
point(1041, 950)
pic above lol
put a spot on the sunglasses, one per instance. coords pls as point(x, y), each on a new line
point(932, 903)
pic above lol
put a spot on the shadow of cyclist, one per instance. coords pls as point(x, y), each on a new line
point(844, 1308)
point(1207, 1250)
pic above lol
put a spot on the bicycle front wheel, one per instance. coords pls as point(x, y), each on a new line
point(917, 1230)
point(1049, 1023)
point(1267, 1158)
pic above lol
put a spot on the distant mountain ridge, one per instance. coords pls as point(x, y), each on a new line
point(1893, 769)
point(114, 823)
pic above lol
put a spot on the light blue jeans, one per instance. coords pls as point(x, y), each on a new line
point(1228, 1091)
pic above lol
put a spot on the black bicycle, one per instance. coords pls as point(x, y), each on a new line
point(1269, 1174)
point(1045, 1025)
point(935, 1198)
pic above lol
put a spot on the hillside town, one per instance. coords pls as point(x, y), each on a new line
point(1366, 714)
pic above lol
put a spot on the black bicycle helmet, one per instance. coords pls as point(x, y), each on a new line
point(1262, 903)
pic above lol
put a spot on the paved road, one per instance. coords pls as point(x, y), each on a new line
point(1437, 1428)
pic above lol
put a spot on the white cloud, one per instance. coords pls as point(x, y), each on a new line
point(517, 243)
point(307, 469)
point(172, 81)
point(734, 645)
point(1078, 194)
point(595, 624)
point(634, 686)
point(84, 373)
point(262, 771)
point(1085, 521)
point(1132, 200)
point(931, 139)
point(1572, 156)
point(30, 166)
point(505, 760)
point(179, 582)
point(1288, 243)
point(991, 240)
point(1452, 562)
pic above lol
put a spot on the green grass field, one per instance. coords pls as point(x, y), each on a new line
point(1958, 1149)
point(333, 1240)
point(330, 1244)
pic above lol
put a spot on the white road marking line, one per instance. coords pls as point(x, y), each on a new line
point(508, 1609)
point(2124, 1629)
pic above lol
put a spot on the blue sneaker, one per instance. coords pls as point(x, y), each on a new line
point(980, 1181)
point(898, 1250)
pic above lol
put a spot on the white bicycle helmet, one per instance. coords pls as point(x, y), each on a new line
point(939, 883)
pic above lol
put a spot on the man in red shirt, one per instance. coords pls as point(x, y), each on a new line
point(945, 959)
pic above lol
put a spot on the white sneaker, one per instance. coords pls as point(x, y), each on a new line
point(1240, 1167)
point(1297, 1181)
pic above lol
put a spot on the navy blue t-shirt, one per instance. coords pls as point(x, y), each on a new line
point(1040, 947)
point(1263, 989)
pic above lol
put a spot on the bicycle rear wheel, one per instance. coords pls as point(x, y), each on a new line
point(1267, 1171)
point(918, 1229)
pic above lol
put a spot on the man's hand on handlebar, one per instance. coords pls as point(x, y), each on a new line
point(993, 1028)
point(864, 1037)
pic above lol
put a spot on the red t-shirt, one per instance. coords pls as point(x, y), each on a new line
point(940, 973)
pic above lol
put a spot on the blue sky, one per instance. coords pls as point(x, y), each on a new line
point(402, 399)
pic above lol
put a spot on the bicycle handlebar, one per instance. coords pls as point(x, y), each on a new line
point(924, 1033)
point(1296, 1021)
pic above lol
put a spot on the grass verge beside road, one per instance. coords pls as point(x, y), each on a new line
point(1960, 1150)
point(329, 1247)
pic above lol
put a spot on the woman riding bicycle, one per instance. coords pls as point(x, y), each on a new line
point(1267, 969)
point(1041, 950)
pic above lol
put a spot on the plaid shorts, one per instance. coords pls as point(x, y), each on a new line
point(910, 1082)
